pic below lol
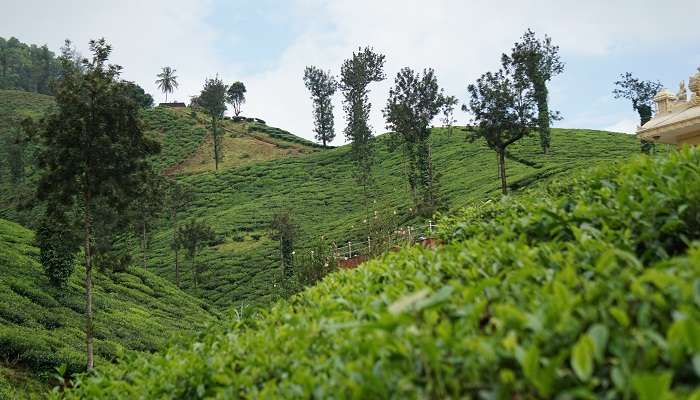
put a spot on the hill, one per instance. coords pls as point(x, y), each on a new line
point(588, 287)
point(266, 169)
point(41, 326)
point(320, 190)
point(186, 147)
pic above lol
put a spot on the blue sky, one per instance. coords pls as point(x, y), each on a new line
point(266, 44)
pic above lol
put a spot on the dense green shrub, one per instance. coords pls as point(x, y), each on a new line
point(553, 298)
point(41, 326)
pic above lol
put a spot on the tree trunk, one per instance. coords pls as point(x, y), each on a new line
point(646, 146)
point(177, 268)
point(502, 170)
point(177, 259)
point(543, 115)
point(194, 271)
point(143, 244)
point(216, 144)
point(88, 284)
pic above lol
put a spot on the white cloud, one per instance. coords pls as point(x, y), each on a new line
point(625, 126)
point(460, 39)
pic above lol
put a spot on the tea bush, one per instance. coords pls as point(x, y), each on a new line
point(41, 327)
point(588, 290)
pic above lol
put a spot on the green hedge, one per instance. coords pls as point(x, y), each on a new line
point(582, 291)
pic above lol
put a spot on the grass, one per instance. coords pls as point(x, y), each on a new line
point(240, 147)
point(41, 326)
point(585, 288)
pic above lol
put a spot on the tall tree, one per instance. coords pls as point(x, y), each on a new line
point(356, 74)
point(193, 237)
point(539, 61)
point(414, 101)
point(93, 147)
point(26, 67)
point(504, 108)
point(147, 208)
point(235, 96)
point(283, 229)
point(178, 198)
point(167, 81)
point(139, 95)
point(641, 94)
point(14, 146)
point(322, 86)
point(213, 101)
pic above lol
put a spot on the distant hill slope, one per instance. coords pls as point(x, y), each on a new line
point(585, 289)
point(184, 136)
point(41, 327)
point(320, 190)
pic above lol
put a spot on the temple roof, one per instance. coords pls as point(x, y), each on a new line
point(677, 119)
point(670, 127)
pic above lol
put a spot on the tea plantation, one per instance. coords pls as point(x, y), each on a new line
point(585, 288)
point(41, 326)
point(320, 190)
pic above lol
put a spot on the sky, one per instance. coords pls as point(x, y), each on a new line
point(266, 44)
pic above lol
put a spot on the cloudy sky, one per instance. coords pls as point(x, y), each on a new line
point(266, 44)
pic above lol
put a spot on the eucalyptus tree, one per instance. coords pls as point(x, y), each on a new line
point(504, 109)
point(178, 198)
point(641, 94)
point(92, 148)
point(414, 101)
point(322, 86)
point(235, 96)
point(147, 208)
point(356, 74)
point(213, 100)
point(167, 81)
point(193, 237)
point(539, 61)
point(284, 230)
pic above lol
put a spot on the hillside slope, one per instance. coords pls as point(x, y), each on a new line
point(41, 326)
point(588, 288)
point(183, 135)
point(325, 201)
point(266, 169)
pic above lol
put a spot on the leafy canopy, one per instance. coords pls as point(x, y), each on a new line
point(322, 86)
point(235, 95)
point(167, 81)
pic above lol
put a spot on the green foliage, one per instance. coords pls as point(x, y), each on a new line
point(26, 67)
point(58, 246)
point(356, 74)
point(213, 101)
point(167, 81)
point(41, 327)
point(93, 150)
point(193, 237)
point(235, 95)
point(641, 94)
point(139, 95)
point(322, 86)
point(539, 61)
point(503, 105)
point(549, 298)
point(413, 103)
point(284, 230)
